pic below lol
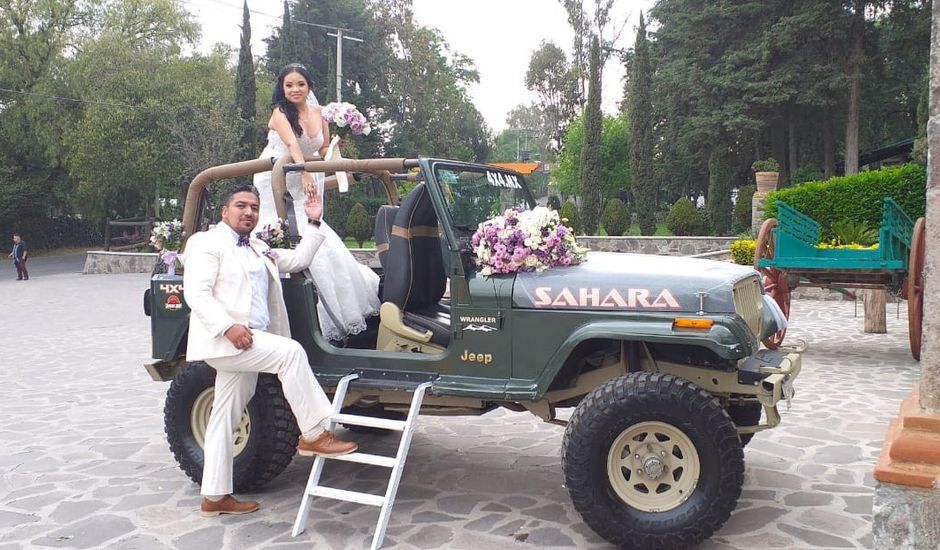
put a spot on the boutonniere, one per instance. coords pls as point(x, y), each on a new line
point(270, 254)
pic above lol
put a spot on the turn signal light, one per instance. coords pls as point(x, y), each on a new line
point(692, 323)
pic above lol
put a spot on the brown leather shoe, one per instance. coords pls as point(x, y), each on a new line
point(228, 505)
point(325, 445)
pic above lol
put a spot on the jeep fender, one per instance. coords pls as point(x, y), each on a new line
point(728, 338)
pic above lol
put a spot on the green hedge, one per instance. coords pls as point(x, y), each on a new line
point(858, 198)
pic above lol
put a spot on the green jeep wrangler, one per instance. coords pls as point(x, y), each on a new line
point(659, 356)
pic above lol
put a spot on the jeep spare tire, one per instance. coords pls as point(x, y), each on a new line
point(265, 442)
point(652, 461)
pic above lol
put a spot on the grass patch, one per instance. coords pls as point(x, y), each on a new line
point(352, 243)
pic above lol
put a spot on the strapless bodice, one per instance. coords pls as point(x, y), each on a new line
point(309, 145)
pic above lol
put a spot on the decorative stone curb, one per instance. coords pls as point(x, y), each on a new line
point(101, 261)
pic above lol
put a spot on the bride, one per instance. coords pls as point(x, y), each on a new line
point(347, 290)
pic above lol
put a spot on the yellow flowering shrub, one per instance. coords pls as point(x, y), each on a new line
point(742, 252)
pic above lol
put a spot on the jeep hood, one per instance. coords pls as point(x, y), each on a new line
point(612, 281)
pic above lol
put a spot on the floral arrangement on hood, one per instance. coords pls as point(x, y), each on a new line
point(525, 240)
point(347, 119)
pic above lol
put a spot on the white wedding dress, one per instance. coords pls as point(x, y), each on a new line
point(347, 290)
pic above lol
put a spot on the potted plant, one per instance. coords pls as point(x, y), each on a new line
point(766, 172)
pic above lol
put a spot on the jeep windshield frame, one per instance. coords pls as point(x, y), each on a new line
point(472, 193)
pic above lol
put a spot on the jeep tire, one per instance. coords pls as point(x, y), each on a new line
point(652, 461)
point(746, 415)
point(266, 440)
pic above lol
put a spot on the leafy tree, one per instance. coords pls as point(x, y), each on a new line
point(358, 224)
point(570, 217)
point(684, 219)
point(616, 218)
point(640, 108)
point(246, 91)
point(555, 83)
point(590, 154)
point(742, 208)
point(615, 158)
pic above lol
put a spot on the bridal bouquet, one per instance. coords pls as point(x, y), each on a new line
point(167, 236)
point(347, 118)
point(525, 240)
point(275, 235)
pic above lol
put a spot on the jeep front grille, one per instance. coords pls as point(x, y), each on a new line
point(748, 302)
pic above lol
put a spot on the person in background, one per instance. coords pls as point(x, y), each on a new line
point(20, 254)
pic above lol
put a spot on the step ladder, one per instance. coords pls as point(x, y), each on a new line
point(396, 463)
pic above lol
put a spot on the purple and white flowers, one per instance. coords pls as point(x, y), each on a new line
point(167, 236)
point(525, 240)
point(347, 118)
point(275, 235)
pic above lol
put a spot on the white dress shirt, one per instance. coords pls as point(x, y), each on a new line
point(259, 317)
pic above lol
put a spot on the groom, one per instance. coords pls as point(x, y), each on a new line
point(239, 327)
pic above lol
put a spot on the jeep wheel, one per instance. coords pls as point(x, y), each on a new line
point(266, 440)
point(746, 415)
point(652, 461)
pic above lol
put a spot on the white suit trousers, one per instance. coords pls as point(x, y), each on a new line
point(235, 381)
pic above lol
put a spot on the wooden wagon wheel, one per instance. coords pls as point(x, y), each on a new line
point(915, 287)
point(775, 280)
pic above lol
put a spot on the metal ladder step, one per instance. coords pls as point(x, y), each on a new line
point(363, 458)
point(369, 421)
point(348, 496)
point(396, 463)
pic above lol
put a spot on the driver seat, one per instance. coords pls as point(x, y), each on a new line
point(414, 280)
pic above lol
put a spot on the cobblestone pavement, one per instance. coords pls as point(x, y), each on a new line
point(84, 462)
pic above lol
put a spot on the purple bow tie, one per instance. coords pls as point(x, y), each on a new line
point(243, 241)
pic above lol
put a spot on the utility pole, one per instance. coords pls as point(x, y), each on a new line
point(340, 35)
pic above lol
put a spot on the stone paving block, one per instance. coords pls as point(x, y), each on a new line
point(69, 511)
point(431, 536)
point(90, 533)
point(12, 519)
point(139, 542)
point(207, 537)
point(816, 538)
point(748, 521)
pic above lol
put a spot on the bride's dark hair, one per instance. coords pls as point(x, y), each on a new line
point(279, 100)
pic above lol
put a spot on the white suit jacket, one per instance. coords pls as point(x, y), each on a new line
point(217, 287)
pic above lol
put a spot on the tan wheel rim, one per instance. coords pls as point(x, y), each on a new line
point(653, 466)
point(199, 420)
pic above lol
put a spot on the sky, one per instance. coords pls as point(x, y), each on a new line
point(499, 35)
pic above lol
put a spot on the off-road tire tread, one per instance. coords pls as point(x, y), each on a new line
point(642, 395)
point(272, 422)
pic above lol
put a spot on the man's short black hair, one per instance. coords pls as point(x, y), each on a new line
point(15, 234)
point(240, 188)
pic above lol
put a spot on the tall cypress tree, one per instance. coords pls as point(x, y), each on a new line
point(591, 153)
point(640, 111)
point(246, 91)
point(287, 50)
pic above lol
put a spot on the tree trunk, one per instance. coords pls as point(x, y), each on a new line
point(855, 86)
point(791, 146)
point(875, 319)
point(829, 146)
point(778, 144)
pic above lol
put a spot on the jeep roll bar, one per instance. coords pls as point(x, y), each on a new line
point(380, 168)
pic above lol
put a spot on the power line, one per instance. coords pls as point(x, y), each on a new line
point(84, 101)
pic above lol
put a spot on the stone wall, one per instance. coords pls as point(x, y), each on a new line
point(99, 261)
point(714, 248)
point(668, 246)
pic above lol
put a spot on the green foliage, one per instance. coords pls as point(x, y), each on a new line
point(615, 158)
point(766, 165)
point(742, 208)
point(591, 154)
point(340, 205)
point(859, 197)
point(718, 205)
point(569, 216)
point(805, 173)
point(616, 218)
point(684, 219)
point(853, 232)
point(555, 83)
point(640, 109)
point(742, 251)
point(554, 202)
point(246, 91)
point(358, 224)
